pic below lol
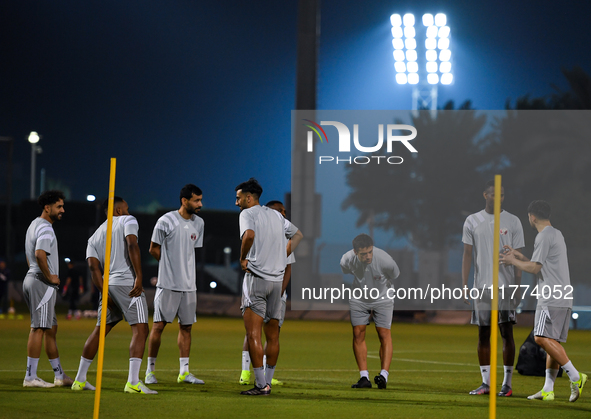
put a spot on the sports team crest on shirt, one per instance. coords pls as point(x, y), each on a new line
point(504, 231)
point(193, 236)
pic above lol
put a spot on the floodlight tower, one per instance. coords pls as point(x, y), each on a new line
point(434, 68)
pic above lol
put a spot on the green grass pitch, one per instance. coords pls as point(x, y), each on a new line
point(432, 371)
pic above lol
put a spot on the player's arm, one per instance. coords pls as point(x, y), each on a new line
point(515, 258)
point(41, 258)
point(155, 250)
point(517, 270)
point(133, 250)
point(96, 273)
point(247, 242)
point(294, 242)
point(286, 278)
point(466, 265)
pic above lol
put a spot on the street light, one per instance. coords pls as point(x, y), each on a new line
point(35, 149)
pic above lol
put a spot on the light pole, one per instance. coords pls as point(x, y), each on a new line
point(35, 149)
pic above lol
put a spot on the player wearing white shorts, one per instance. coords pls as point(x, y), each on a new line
point(263, 258)
point(40, 288)
point(478, 240)
point(126, 299)
point(549, 263)
point(175, 237)
point(245, 374)
point(373, 268)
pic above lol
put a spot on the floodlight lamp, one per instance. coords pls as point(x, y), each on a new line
point(399, 55)
point(33, 137)
point(445, 55)
point(411, 55)
point(447, 78)
point(400, 67)
point(443, 32)
point(401, 78)
point(409, 32)
point(430, 43)
point(427, 19)
point(431, 31)
point(410, 43)
point(443, 43)
point(412, 67)
point(431, 55)
point(67, 260)
point(432, 78)
point(413, 78)
point(213, 284)
point(444, 67)
point(398, 43)
point(90, 198)
point(575, 316)
point(431, 67)
point(227, 250)
point(397, 32)
point(396, 20)
point(440, 19)
point(408, 19)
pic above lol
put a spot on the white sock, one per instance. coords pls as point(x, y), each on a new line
point(364, 373)
point(508, 377)
point(550, 378)
point(485, 372)
point(259, 374)
point(151, 365)
point(134, 370)
point(269, 371)
point(31, 368)
point(571, 371)
point(83, 369)
point(245, 361)
point(57, 368)
point(184, 365)
point(384, 374)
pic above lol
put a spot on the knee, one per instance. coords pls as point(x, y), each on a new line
point(540, 340)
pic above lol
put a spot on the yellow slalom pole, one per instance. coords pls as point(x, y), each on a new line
point(105, 293)
point(494, 313)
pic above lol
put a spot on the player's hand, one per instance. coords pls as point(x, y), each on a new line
point(137, 289)
point(244, 265)
point(54, 280)
point(507, 258)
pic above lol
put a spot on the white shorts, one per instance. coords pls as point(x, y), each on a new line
point(168, 304)
point(133, 309)
point(552, 322)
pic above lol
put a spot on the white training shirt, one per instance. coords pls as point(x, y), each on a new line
point(178, 238)
point(267, 257)
point(40, 236)
point(478, 232)
point(121, 270)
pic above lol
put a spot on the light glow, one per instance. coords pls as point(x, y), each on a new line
point(413, 78)
point(445, 55)
point(440, 19)
point(400, 67)
point(396, 20)
point(409, 19)
point(411, 55)
point(447, 78)
point(401, 78)
point(410, 43)
point(432, 78)
point(428, 19)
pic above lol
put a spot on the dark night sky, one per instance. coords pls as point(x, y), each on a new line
point(201, 91)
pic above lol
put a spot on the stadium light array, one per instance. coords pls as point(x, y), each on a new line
point(437, 65)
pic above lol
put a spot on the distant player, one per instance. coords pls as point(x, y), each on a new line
point(549, 263)
point(40, 290)
point(245, 374)
point(375, 269)
point(478, 238)
point(126, 299)
point(176, 236)
point(263, 258)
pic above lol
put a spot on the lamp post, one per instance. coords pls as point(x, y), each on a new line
point(35, 149)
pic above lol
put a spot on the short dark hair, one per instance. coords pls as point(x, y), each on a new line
point(271, 203)
point(251, 186)
point(50, 197)
point(188, 190)
point(362, 241)
point(489, 184)
point(105, 205)
point(541, 209)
